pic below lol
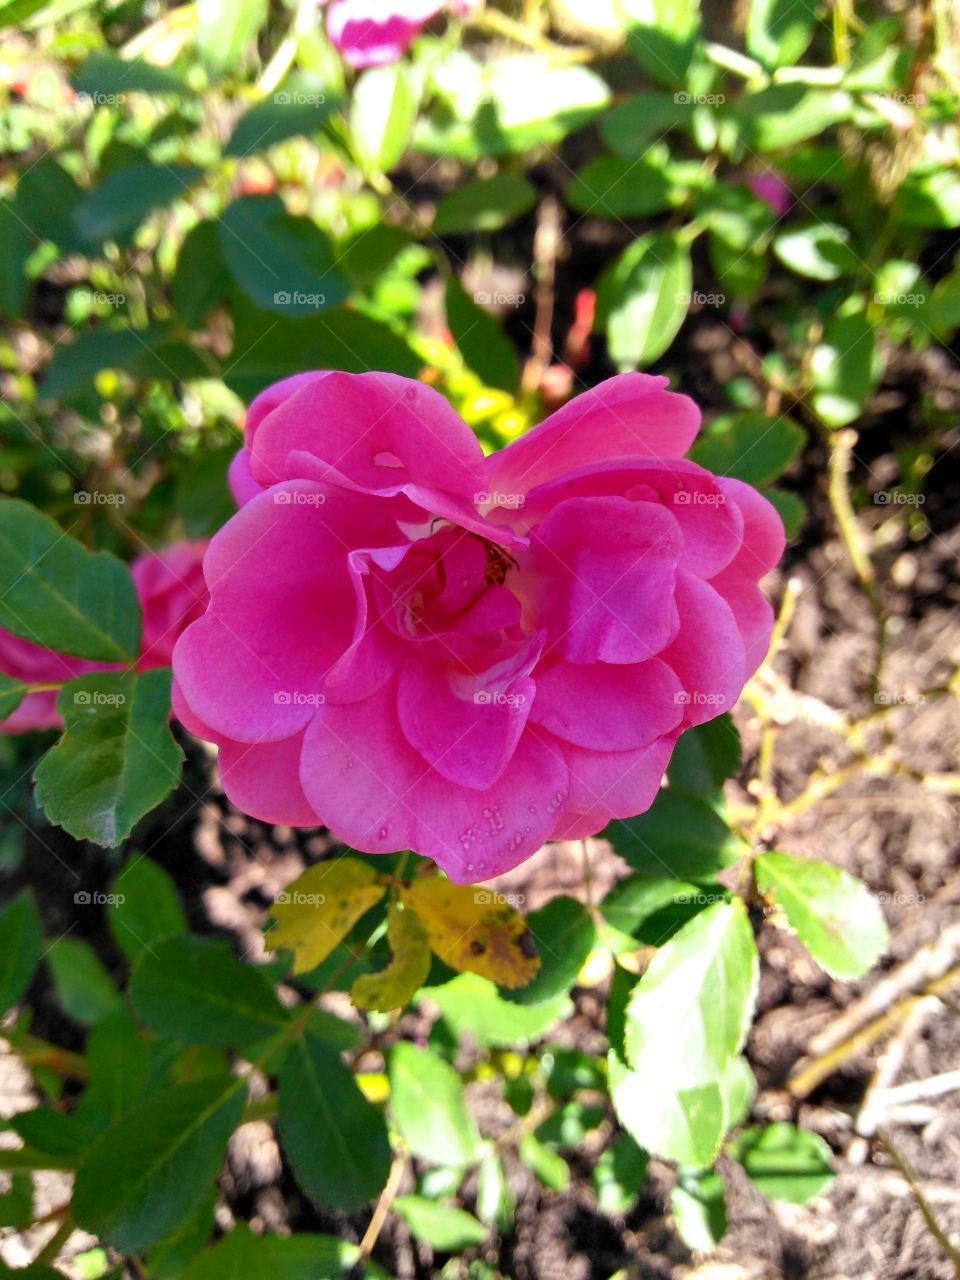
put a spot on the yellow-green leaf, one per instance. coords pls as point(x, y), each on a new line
point(398, 983)
point(321, 907)
point(474, 930)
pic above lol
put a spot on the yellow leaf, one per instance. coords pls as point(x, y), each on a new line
point(321, 907)
point(474, 930)
point(407, 971)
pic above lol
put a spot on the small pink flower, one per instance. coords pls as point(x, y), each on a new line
point(422, 648)
point(772, 190)
point(172, 594)
point(373, 33)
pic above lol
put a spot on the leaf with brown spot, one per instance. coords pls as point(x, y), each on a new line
point(321, 907)
point(474, 930)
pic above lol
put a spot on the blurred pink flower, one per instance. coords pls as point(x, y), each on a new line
point(372, 33)
point(172, 594)
point(772, 190)
point(422, 648)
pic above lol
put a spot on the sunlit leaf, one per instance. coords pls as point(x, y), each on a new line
point(784, 1162)
point(397, 984)
point(320, 908)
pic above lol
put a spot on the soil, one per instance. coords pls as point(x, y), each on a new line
point(896, 834)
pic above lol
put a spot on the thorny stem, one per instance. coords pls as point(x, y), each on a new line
point(923, 1204)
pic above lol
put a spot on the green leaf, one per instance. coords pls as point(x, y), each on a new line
point(117, 758)
point(426, 1101)
point(653, 910)
point(833, 913)
point(300, 107)
point(679, 836)
point(614, 187)
point(706, 756)
point(548, 1167)
point(115, 209)
point(485, 204)
point(472, 1004)
point(51, 1132)
point(564, 934)
point(820, 251)
point(482, 343)
point(619, 1175)
point(282, 263)
point(749, 446)
point(85, 990)
point(265, 350)
point(495, 1203)
point(117, 1058)
point(663, 37)
point(929, 200)
point(143, 1177)
point(46, 199)
point(699, 1209)
point(12, 693)
point(143, 353)
point(102, 72)
point(195, 990)
point(845, 367)
point(784, 1162)
point(643, 298)
point(629, 128)
point(145, 907)
point(443, 1228)
point(59, 595)
point(779, 31)
point(16, 250)
point(241, 1255)
point(382, 116)
point(201, 279)
point(791, 510)
point(225, 28)
point(782, 115)
point(685, 1022)
point(21, 942)
point(335, 1139)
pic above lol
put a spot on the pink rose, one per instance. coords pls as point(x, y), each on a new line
point(423, 648)
point(172, 594)
point(372, 33)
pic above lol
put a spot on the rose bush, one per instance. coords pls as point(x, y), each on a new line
point(172, 594)
point(424, 648)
